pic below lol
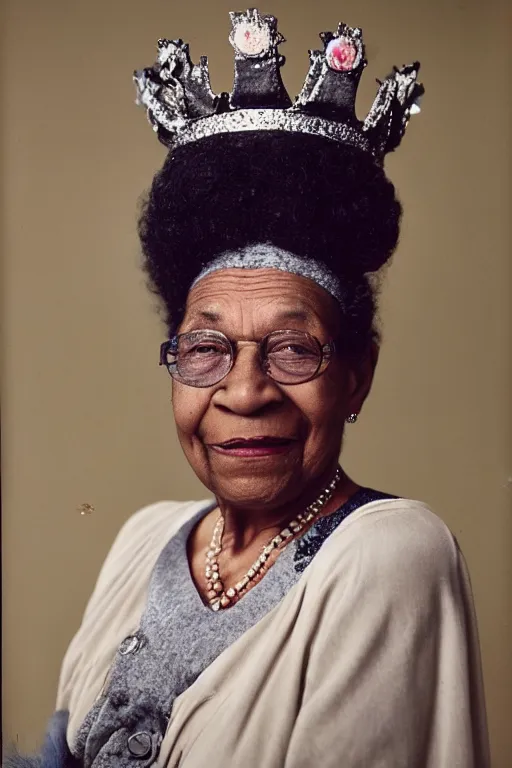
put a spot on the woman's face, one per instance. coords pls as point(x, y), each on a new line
point(247, 305)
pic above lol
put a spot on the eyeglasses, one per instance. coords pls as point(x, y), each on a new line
point(202, 358)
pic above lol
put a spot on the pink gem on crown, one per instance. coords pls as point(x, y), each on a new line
point(341, 54)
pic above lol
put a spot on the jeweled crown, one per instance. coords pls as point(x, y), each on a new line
point(182, 107)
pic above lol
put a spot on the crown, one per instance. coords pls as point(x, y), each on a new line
point(182, 107)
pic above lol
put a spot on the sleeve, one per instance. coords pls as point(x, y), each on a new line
point(116, 604)
point(393, 677)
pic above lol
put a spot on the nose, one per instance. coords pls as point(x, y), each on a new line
point(247, 389)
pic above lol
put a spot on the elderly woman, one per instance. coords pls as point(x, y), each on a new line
point(296, 618)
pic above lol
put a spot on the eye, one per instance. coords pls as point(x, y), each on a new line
point(206, 349)
point(297, 349)
point(293, 349)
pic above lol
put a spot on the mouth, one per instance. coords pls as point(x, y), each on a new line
point(265, 445)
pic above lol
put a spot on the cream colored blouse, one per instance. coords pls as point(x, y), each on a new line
point(370, 661)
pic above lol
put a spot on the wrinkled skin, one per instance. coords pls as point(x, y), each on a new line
point(256, 495)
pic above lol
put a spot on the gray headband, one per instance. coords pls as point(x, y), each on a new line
point(266, 255)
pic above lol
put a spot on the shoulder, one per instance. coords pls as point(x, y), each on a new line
point(393, 526)
point(392, 569)
point(160, 517)
point(399, 542)
point(143, 535)
point(118, 598)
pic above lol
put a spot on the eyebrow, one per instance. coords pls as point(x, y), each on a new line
point(288, 314)
point(206, 314)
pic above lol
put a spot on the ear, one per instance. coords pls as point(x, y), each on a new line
point(362, 370)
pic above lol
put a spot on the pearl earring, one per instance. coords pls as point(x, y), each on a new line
point(352, 418)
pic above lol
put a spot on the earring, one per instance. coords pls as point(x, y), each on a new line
point(352, 418)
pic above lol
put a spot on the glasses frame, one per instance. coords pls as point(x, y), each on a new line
point(326, 352)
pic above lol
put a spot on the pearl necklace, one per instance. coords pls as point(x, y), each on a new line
point(217, 596)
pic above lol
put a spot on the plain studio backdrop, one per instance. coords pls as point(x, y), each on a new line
point(86, 415)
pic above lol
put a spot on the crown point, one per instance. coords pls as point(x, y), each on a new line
point(258, 83)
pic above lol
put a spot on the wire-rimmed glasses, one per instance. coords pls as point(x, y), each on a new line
point(202, 358)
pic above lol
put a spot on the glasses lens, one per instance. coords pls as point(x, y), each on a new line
point(200, 359)
point(292, 357)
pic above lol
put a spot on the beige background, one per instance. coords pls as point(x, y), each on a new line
point(86, 413)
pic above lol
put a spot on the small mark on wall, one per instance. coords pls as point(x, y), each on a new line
point(86, 508)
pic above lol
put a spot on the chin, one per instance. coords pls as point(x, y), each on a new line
point(255, 486)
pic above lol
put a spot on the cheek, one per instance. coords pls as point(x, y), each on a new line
point(189, 405)
point(324, 406)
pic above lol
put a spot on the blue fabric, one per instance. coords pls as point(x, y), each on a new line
point(55, 752)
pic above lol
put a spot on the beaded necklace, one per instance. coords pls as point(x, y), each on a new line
point(218, 596)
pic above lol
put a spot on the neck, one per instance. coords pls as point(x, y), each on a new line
point(245, 525)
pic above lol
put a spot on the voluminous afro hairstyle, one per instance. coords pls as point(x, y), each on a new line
point(307, 195)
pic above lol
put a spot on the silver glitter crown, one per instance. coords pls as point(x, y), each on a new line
point(182, 107)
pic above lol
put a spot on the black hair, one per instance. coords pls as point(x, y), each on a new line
point(307, 195)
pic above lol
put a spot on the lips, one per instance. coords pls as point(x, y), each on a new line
point(254, 447)
point(249, 442)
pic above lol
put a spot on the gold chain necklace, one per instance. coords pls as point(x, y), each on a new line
point(218, 597)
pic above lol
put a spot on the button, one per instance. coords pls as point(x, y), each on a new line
point(140, 744)
point(130, 644)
